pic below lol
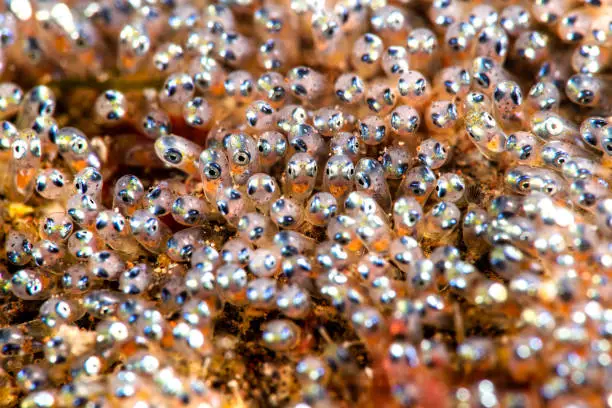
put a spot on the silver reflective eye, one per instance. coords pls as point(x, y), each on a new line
point(212, 171)
point(173, 156)
point(242, 158)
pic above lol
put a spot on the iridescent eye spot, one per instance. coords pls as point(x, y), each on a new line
point(242, 158)
point(212, 171)
point(173, 156)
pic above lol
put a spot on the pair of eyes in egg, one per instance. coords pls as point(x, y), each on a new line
point(266, 147)
point(606, 143)
point(523, 183)
point(293, 172)
point(50, 226)
point(350, 170)
point(174, 156)
point(21, 148)
point(118, 224)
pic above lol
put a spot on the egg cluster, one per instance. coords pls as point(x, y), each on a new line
point(306, 203)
